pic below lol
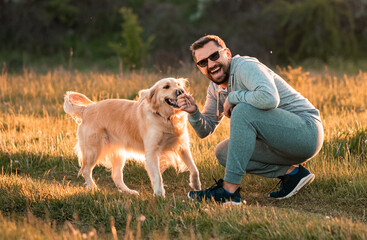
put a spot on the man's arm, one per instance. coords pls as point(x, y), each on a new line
point(262, 92)
point(206, 122)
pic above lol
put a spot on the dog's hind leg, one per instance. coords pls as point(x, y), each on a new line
point(186, 157)
point(89, 162)
point(118, 163)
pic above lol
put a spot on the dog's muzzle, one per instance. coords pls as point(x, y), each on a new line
point(173, 102)
point(179, 92)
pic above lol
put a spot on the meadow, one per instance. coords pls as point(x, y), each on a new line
point(41, 196)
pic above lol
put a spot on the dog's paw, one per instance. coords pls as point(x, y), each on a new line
point(129, 191)
point(195, 181)
point(92, 187)
point(196, 185)
point(134, 192)
point(160, 193)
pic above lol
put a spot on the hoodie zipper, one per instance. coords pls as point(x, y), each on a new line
point(228, 91)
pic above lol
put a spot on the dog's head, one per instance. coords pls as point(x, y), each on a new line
point(163, 95)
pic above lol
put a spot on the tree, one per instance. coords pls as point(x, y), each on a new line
point(133, 50)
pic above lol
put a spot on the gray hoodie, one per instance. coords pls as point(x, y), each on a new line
point(253, 83)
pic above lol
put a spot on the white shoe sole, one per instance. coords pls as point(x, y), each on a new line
point(225, 203)
point(303, 183)
point(233, 203)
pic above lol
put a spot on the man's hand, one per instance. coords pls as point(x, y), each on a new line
point(186, 103)
point(227, 109)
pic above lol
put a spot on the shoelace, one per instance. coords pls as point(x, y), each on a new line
point(281, 183)
point(215, 185)
point(219, 185)
point(207, 191)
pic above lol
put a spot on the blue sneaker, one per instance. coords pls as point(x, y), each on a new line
point(216, 193)
point(291, 184)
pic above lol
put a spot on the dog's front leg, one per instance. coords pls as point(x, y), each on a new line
point(152, 165)
point(194, 173)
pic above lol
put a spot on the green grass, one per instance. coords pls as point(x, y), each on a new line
point(41, 196)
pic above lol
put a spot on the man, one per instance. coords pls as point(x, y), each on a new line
point(274, 129)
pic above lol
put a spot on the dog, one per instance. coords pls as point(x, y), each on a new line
point(113, 130)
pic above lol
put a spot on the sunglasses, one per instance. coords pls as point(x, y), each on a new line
point(213, 57)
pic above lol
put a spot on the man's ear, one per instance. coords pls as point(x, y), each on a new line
point(228, 53)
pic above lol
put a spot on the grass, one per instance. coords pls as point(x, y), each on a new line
point(41, 196)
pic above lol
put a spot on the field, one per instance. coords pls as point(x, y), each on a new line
point(41, 196)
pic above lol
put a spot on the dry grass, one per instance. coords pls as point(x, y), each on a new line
point(39, 184)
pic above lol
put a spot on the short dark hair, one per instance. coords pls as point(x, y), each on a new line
point(204, 40)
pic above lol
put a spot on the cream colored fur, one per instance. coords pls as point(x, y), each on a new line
point(113, 130)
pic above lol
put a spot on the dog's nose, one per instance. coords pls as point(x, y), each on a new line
point(179, 92)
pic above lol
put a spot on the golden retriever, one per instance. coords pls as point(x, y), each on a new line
point(110, 131)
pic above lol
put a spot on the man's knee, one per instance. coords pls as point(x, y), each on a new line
point(243, 110)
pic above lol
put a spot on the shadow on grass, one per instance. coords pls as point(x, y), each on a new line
point(48, 187)
point(333, 197)
point(172, 216)
point(61, 169)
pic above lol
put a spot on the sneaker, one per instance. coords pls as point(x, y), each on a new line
point(291, 184)
point(217, 193)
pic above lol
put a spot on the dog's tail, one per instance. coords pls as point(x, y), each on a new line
point(75, 103)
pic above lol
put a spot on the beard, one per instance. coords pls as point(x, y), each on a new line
point(222, 78)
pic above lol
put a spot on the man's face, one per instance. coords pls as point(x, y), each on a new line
point(216, 70)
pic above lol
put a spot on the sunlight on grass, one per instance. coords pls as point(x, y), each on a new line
point(39, 168)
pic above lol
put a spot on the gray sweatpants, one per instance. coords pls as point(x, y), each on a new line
point(267, 143)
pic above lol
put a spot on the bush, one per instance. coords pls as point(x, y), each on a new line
point(312, 28)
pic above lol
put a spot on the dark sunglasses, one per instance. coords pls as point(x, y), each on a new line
point(213, 57)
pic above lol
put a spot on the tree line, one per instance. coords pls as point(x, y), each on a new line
point(146, 32)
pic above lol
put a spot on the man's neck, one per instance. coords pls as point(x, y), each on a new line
point(224, 85)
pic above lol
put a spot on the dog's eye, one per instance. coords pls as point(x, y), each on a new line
point(166, 87)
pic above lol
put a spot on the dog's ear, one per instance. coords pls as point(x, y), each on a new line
point(152, 97)
point(143, 93)
point(183, 82)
